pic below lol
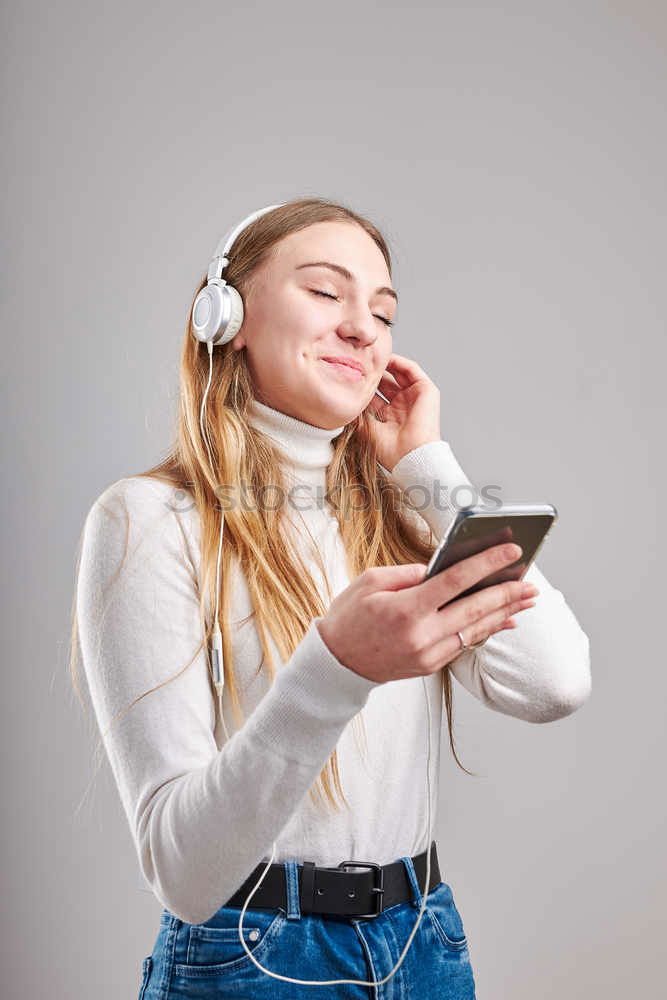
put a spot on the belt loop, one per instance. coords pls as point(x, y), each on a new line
point(292, 885)
point(412, 876)
point(307, 886)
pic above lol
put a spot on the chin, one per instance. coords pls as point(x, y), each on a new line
point(331, 417)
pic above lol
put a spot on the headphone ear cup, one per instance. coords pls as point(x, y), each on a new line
point(217, 313)
point(235, 316)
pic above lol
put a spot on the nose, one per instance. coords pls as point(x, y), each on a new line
point(361, 329)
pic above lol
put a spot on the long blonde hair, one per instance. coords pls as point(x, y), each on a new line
point(381, 531)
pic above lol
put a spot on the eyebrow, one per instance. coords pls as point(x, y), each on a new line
point(383, 290)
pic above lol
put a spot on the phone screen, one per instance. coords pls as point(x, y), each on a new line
point(472, 532)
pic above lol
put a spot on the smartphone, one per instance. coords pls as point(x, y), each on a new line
point(476, 528)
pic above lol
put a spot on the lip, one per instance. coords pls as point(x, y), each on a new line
point(350, 362)
point(352, 374)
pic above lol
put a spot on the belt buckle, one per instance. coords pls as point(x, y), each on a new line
point(378, 889)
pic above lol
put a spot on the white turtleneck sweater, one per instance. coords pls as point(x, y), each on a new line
point(204, 812)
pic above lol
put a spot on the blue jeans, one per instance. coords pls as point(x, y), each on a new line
point(206, 961)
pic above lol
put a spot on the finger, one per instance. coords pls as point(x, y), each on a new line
point(388, 384)
point(438, 590)
point(511, 622)
point(376, 406)
point(496, 620)
point(466, 547)
point(514, 572)
point(449, 647)
point(405, 370)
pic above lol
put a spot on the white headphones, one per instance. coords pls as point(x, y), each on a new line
point(217, 315)
point(217, 312)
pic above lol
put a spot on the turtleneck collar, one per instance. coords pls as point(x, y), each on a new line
point(308, 449)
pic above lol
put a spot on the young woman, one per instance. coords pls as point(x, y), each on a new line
point(248, 791)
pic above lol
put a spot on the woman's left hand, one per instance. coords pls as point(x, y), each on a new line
point(412, 416)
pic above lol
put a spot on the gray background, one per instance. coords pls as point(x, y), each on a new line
point(515, 157)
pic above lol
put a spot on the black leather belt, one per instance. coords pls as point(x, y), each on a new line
point(339, 891)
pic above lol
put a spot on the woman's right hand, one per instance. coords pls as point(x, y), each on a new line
point(386, 625)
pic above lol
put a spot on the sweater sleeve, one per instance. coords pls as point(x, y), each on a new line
point(201, 818)
point(538, 672)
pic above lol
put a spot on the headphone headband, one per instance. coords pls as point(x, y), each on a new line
point(219, 260)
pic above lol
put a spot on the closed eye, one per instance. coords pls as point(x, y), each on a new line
point(336, 298)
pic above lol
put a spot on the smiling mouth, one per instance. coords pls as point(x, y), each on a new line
point(348, 371)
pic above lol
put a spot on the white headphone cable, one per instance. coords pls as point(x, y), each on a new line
point(219, 682)
point(216, 636)
point(358, 982)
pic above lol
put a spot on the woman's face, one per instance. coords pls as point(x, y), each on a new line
point(289, 326)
